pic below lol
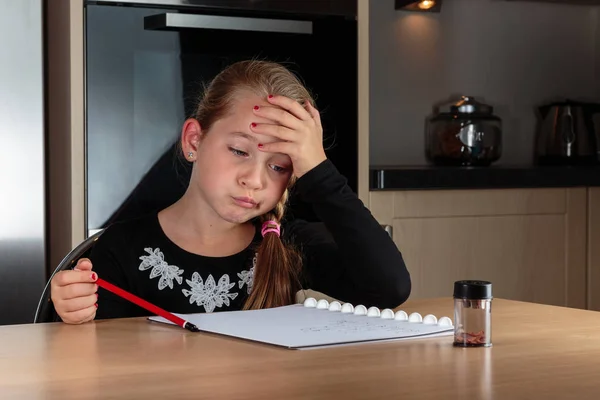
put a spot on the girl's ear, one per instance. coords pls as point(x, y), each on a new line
point(191, 136)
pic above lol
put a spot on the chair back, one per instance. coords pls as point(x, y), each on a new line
point(45, 310)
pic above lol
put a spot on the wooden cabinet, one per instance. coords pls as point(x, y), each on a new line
point(530, 243)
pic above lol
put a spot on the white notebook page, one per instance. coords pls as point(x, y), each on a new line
point(296, 326)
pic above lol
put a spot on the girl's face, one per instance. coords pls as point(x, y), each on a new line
point(231, 175)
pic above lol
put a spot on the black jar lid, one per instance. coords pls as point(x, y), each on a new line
point(472, 290)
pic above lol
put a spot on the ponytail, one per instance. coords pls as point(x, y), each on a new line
point(277, 268)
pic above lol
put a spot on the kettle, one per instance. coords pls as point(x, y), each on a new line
point(568, 134)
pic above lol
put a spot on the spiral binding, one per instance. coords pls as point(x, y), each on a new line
point(387, 313)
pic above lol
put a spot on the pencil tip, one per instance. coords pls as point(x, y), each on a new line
point(191, 327)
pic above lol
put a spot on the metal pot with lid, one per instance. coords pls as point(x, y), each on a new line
point(464, 132)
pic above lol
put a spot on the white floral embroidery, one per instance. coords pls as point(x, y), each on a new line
point(208, 294)
point(156, 261)
point(247, 277)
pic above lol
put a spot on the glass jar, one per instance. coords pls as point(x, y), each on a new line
point(472, 313)
point(464, 132)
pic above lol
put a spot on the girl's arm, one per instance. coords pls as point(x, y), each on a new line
point(105, 258)
point(360, 262)
point(348, 256)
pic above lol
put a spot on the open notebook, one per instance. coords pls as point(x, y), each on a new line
point(318, 324)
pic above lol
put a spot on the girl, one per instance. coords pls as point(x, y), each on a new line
point(221, 246)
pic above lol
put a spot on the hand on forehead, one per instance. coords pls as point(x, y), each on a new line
point(243, 116)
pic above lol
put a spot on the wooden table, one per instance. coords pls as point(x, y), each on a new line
point(538, 351)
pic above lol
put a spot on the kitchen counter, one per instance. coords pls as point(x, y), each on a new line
point(494, 177)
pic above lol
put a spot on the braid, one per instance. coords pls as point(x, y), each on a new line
point(275, 280)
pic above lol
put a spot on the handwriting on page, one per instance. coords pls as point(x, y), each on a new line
point(363, 325)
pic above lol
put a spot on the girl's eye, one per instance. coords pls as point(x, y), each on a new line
point(238, 153)
point(277, 168)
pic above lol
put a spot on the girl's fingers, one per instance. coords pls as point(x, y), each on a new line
point(68, 277)
point(278, 115)
point(80, 303)
point(84, 264)
point(313, 112)
point(81, 316)
point(78, 290)
point(278, 147)
point(290, 105)
point(277, 131)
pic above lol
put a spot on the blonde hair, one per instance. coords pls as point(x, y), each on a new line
point(278, 265)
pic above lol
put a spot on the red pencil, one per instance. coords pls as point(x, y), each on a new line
point(144, 304)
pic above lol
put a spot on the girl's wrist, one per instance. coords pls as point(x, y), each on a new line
point(312, 165)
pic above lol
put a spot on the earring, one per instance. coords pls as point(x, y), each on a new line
point(190, 155)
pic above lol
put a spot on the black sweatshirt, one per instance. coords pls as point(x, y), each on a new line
point(348, 256)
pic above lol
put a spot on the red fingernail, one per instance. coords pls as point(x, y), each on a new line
point(256, 107)
point(270, 96)
point(96, 305)
point(93, 277)
point(260, 146)
point(253, 125)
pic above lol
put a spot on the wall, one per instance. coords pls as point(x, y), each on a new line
point(120, 61)
point(512, 55)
